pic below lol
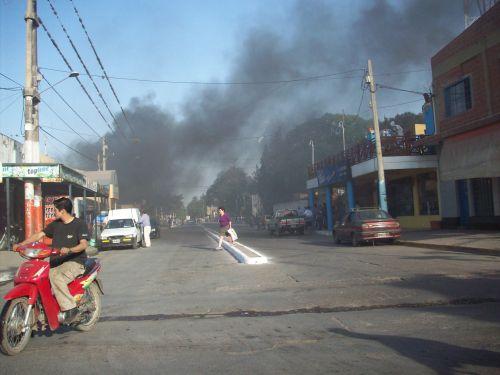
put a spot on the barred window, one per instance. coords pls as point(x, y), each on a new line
point(457, 97)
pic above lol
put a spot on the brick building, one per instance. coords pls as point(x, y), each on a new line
point(466, 84)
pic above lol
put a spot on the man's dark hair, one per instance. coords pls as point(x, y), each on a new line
point(64, 204)
point(222, 208)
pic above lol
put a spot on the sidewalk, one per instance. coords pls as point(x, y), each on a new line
point(10, 261)
point(476, 241)
point(481, 241)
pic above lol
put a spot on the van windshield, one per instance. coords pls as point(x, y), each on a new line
point(120, 223)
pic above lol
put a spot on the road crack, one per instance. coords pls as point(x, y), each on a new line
point(305, 310)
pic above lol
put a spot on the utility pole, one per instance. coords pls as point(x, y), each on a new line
point(32, 188)
point(311, 143)
point(378, 145)
point(104, 153)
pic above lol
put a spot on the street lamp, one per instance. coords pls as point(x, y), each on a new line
point(71, 75)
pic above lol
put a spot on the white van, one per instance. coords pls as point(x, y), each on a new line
point(122, 229)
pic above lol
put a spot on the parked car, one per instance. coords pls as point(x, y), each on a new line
point(122, 229)
point(369, 224)
point(286, 221)
point(155, 228)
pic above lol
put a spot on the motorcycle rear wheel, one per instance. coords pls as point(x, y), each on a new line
point(91, 307)
point(12, 339)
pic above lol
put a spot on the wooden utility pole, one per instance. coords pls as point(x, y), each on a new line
point(378, 145)
point(32, 188)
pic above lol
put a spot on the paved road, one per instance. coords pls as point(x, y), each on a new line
point(182, 307)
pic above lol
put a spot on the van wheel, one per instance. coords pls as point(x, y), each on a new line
point(135, 244)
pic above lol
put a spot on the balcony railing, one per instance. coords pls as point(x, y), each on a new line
point(363, 151)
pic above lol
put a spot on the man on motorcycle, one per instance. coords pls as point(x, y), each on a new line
point(70, 234)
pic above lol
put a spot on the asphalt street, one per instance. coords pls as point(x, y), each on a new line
point(181, 307)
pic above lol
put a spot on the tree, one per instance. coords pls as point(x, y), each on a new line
point(197, 208)
point(229, 190)
point(285, 157)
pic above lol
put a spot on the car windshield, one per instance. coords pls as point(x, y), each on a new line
point(372, 215)
point(120, 223)
point(287, 213)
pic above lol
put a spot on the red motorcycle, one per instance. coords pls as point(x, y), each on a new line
point(31, 306)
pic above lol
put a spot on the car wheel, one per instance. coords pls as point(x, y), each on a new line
point(354, 240)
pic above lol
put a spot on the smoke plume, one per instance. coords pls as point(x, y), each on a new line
point(221, 125)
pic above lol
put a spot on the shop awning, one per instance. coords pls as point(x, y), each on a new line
point(475, 154)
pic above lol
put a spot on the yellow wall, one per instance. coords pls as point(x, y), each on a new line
point(418, 222)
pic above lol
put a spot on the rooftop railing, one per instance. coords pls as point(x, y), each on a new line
point(363, 151)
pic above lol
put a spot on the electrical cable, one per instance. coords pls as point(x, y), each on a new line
point(56, 46)
point(64, 122)
point(70, 107)
point(8, 97)
point(10, 79)
point(69, 147)
point(102, 67)
point(382, 86)
point(299, 79)
point(65, 131)
point(82, 62)
point(10, 104)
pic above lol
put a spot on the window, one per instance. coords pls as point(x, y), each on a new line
point(457, 97)
point(428, 194)
point(482, 193)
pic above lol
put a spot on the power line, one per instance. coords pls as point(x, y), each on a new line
point(69, 147)
point(398, 89)
point(70, 107)
point(102, 67)
point(396, 105)
point(10, 104)
point(66, 131)
point(299, 79)
point(71, 69)
point(82, 62)
point(10, 79)
point(64, 122)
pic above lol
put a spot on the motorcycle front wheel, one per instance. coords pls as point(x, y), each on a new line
point(12, 338)
point(90, 308)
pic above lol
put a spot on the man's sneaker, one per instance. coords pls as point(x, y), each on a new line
point(70, 315)
point(218, 248)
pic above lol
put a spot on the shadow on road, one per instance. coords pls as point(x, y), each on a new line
point(441, 357)
point(471, 286)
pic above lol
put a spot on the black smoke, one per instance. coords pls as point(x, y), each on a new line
point(220, 125)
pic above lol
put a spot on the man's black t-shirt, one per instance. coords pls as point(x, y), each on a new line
point(67, 235)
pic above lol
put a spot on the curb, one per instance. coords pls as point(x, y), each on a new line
point(460, 249)
point(237, 253)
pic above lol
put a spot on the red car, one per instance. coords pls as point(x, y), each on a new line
point(369, 224)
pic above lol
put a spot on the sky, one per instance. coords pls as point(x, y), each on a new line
point(222, 41)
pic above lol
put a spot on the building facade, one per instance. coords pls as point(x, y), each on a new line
point(466, 85)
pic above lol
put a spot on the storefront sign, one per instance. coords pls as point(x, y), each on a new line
point(31, 171)
point(312, 183)
point(72, 176)
point(332, 174)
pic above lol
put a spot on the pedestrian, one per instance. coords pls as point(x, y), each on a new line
point(146, 228)
point(224, 226)
point(308, 215)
